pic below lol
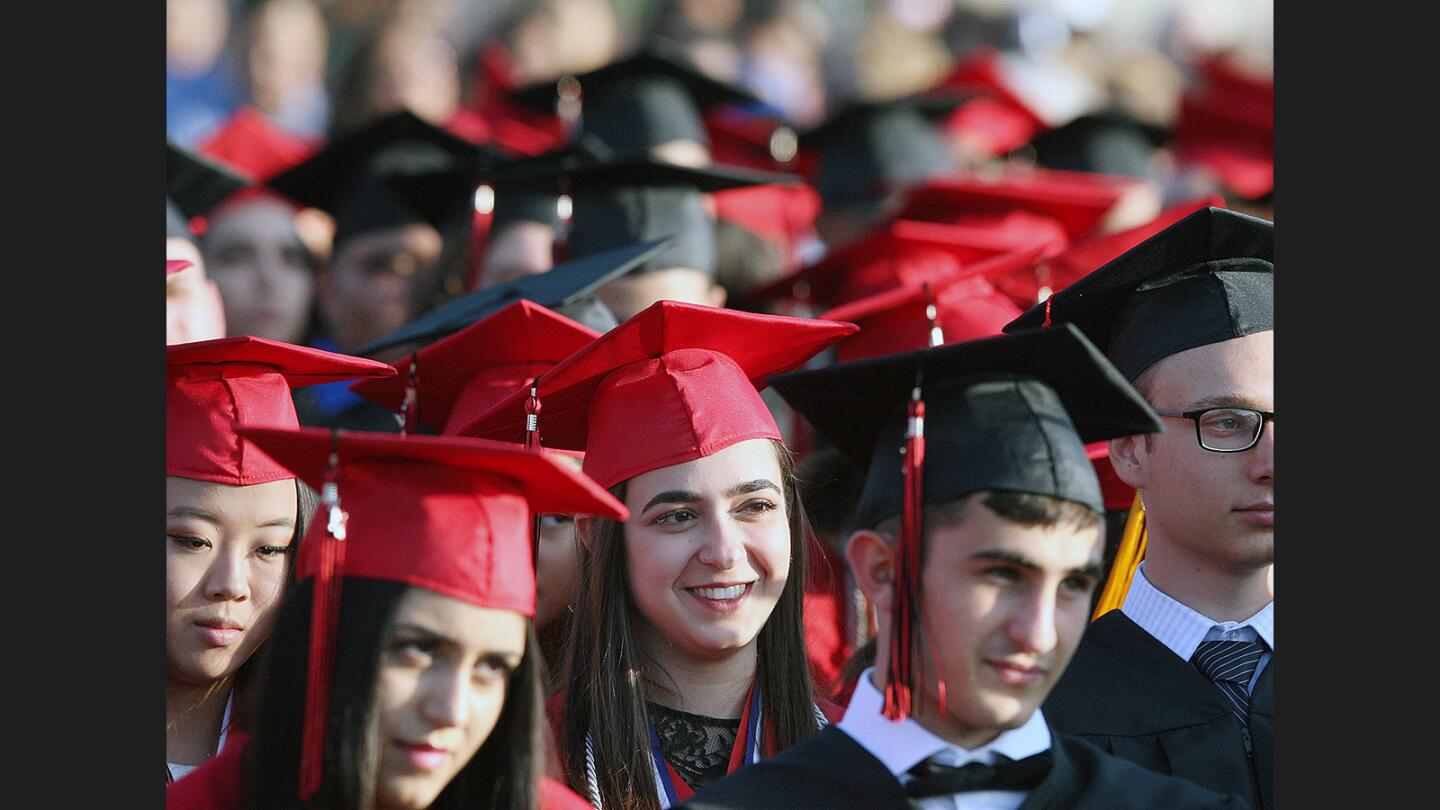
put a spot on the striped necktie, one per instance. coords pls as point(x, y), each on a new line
point(1231, 665)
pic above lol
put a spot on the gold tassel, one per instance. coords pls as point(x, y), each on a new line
point(1127, 559)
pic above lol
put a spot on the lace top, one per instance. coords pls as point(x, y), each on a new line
point(697, 746)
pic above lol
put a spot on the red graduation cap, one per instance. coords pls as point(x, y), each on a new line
point(249, 142)
point(1077, 200)
point(173, 266)
point(966, 307)
point(905, 252)
point(463, 375)
point(213, 386)
point(1029, 285)
point(674, 383)
point(447, 514)
point(1228, 125)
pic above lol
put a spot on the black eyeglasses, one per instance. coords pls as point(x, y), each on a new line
point(1225, 429)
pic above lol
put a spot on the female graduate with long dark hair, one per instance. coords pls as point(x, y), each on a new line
point(233, 520)
point(686, 656)
point(403, 670)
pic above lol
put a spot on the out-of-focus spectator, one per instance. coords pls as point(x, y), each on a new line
point(283, 58)
point(201, 86)
point(404, 64)
point(782, 45)
point(898, 53)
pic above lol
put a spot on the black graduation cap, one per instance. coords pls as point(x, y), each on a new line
point(353, 177)
point(868, 148)
point(1109, 142)
point(1207, 278)
point(654, 96)
point(620, 199)
point(1010, 413)
point(194, 186)
point(565, 288)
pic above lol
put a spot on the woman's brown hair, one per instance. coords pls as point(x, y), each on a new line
point(604, 673)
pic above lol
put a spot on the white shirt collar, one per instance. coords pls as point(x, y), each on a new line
point(1181, 628)
point(903, 745)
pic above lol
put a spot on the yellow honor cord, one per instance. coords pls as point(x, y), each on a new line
point(1127, 559)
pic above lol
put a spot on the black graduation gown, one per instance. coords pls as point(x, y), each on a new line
point(1133, 697)
point(831, 771)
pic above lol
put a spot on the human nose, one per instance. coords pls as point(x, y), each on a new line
point(447, 696)
point(1262, 455)
point(1032, 625)
point(724, 547)
point(226, 579)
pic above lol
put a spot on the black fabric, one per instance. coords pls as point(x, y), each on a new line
point(1009, 413)
point(176, 227)
point(698, 747)
point(934, 779)
point(564, 286)
point(1110, 142)
point(592, 165)
point(867, 150)
point(640, 112)
point(1207, 278)
point(1133, 697)
point(195, 185)
point(659, 58)
point(525, 206)
point(831, 771)
point(606, 220)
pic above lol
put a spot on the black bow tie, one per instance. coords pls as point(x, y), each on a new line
point(934, 779)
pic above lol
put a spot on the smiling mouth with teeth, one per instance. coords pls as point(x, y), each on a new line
point(721, 594)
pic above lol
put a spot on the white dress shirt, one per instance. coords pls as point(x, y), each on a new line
point(903, 745)
point(1181, 628)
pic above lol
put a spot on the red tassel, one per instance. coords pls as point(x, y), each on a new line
point(323, 615)
point(900, 681)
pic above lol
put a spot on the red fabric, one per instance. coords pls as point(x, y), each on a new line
point(248, 141)
point(450, 515)
point(1228, 125)
point(907, 252)
point(992, 124)
point(827, 631)
point(981, 73)
point(967, 307)
point(213, 386)
point(215, 785)
point(675, 383)
point(781, 215)
point(513, 126)
point(465, 374)
point(1076, 200)
point(1023, 285)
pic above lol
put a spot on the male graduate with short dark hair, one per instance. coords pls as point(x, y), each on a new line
point(1181, 679)
point(978, 540)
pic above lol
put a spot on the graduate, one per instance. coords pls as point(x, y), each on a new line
point(978, 540)
point(194, 186)
point(686, 651)
point(233, 522)
point(1181, 678)
point(404, 672)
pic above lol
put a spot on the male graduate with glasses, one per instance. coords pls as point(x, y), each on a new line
point(978, 538)
point(1181, 679)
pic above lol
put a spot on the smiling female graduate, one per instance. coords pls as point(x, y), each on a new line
point(404, 672)
point(686, 657)
point(978, 538)
point(233, 518)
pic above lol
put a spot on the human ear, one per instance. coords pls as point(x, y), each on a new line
point(872, 560)
point(1127, 456)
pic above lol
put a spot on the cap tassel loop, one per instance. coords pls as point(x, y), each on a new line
point(324, 613)
point(1048, 302)
point(900, 680)
point(407, 407)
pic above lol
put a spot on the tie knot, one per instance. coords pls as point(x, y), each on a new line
point(1232, 661)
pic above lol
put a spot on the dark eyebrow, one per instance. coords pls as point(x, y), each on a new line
point(426, 634)
point(1227, 401)
point(673, 496)
point(1020, 561)
point(751, 486)
point(190, 511)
